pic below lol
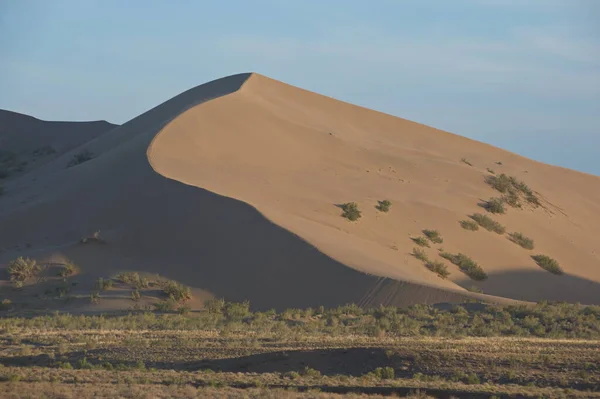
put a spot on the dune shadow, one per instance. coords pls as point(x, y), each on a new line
point(346, 361)
point(530, 285)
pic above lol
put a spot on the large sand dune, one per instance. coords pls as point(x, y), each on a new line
point(231, 188)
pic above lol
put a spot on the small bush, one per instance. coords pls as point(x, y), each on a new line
point(491, 171)
point(522, 240)
point(167, 305)
point(5, 304)
point(62, 291)
point(547, 263)
point(310, 372)
point(103, 284)
point(512, 186)
point(469, 225)
point(135, 295)
point(521, 186)
point(421, 241)
point(68, 270)
point(466, 161)
point(21, 270)
point(434, 236)
point(80, 158)
point(439, 268)
point(475, 288)
point(466, 265)
point(84, 364)
point(472, 379)
point(350, 211)
point(183, 309)
point(133, 279)
point(512, 199)
point(488, 223)
point(177, 292)
point(215, 305)
point(94, 297)
point(384, 206)
point(94, 238)
point(292, 375)
point(383, 373)
point(237, 311)
point(495, 205)
point(499, 183)
point(420, 254)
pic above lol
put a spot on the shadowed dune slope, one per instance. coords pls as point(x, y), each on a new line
point(22, 132)
point(231, 188)
point(27, 142)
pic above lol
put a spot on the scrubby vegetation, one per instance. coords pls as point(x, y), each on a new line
point(500, 183)
point(469, 225)
point(434, 236)
point(488, 223)
point(438, 267)
point(462, 351)
point(103, 284)
point(80, 158)
point(350, 211)
point(133, 279)
point(474, 288)
point(21, 270)
point(466, 161)
point(549, 320)
point(512, 199)
point(175, 291)
point(94, 238)
point(175, 294)
point(466, 265)
point(421, 241)
point(522, 240)
point(384, 206)
point(547, 263)
point(420, 254)
point(512, 187)
point(491, 171)
point(382, 373)
point(68, 269)
point(494, 205)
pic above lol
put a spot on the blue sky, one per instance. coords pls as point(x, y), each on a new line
point(520, 74)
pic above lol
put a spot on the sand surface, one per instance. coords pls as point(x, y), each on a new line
point(231, 188)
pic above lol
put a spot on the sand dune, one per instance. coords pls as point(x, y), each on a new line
point(231, 188)
point(27, 142)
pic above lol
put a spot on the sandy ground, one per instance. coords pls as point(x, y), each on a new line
point(231, 188)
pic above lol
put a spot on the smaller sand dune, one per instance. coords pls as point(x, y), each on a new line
point(27, 142)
